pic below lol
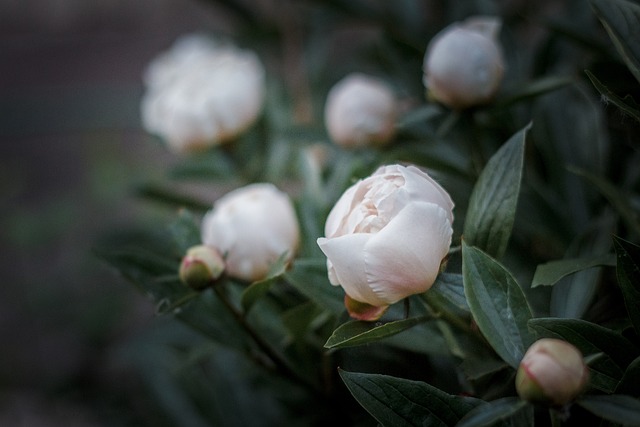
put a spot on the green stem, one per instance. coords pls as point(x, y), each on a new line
point(279, 364)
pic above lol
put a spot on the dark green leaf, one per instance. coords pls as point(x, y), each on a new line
point(621, 19)
point(626, 104)
point(398, 402)
point(299, 319)
point(618, 199)
point(212, 164)
point(628, 272)
point(358, 333)
point(618, 408)
point(631, 379)
point(171, 197)
point(208, 315)
point(589, 338)
point(533, 89)
point(260, 288)
point(549, 273)
point(449, 287)
point(153, 274)
point(493, 412)
point(309, 277)
point(185, 231)
point(494, 199)
point(497, 304)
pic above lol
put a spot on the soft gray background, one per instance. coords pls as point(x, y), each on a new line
point(70, 148)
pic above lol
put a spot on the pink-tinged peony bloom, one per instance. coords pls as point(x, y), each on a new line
point(252, 227)
point(202, 93)
point(387, 235)
point(552, 372)
point(360, 111)
point(463, 65)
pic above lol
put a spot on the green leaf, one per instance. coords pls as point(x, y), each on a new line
point(185, 231)
point(626, 104)
point(618, 199)
point(171, 197)
point(549, 273)
point(497, 304)
point(618, 408)
point(494, 199)
point(355, 333)
point(211, 164)
point(589, 338)
point(151, 273)
point(628, 272)
point(309, 277)
point(621, 19)
point(493, 412)
point(258, 289)
point(449, 288)
point(398, 402)
point(533, 89)
point(630, 379)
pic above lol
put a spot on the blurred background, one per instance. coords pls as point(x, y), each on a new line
point(79, 346)
point(70, 148)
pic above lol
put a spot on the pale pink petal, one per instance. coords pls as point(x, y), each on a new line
point(404, 258)
point(346, 253)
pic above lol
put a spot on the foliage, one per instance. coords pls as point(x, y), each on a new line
point(545, 180)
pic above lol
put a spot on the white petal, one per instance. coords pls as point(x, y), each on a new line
point(404, 258)
point(346, 254)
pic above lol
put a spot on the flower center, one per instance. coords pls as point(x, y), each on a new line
point(378, 205)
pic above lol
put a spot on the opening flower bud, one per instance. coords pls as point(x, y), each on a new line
point(463, 65)
point(201, 267)
point(387, 235)
point(552, 372)
point(360, 111)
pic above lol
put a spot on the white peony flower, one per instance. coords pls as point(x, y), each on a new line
point(201, 93)
point(387, 235)
point(552, 371)
point(252, 227)
point(360, 111)
point(463, 65)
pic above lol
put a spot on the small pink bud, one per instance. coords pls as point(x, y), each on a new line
point(201, 267)
point(551, 372)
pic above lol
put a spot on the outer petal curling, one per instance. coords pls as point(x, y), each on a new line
point(404, 258)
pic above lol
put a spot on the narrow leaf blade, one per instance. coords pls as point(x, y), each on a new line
point(355, 333)
point(618, 408)
point(548, 274)
point(494, 199)
point(492, 412)
point(621, 19)
point(628, 272)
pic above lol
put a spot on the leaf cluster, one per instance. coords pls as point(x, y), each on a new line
point(545, 180)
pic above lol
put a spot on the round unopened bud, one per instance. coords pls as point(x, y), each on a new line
point(463, 65)
point(551, 372)
point(202, 92)
point(360, 111)
point(253, 226)
point(201, 267)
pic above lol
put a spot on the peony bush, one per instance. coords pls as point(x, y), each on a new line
point(331, 285)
